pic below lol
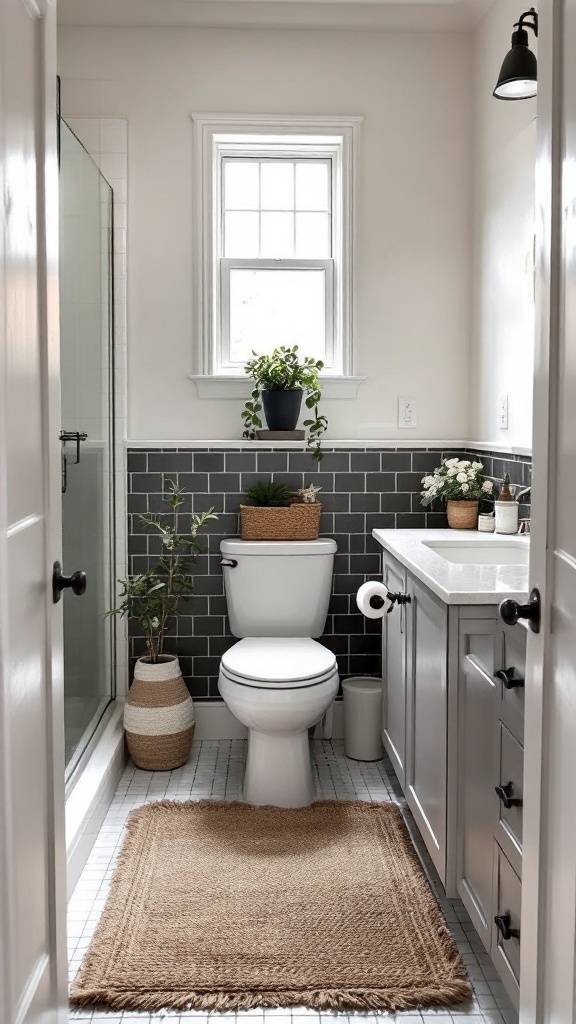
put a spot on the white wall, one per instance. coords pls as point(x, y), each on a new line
point(413, 297)
point(504, 162)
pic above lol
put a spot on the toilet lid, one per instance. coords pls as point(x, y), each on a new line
point(278, 662)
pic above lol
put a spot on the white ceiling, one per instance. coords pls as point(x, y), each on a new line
point(391, 15)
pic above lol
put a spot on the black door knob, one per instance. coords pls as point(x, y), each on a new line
point(511, 611)
point(76, 582)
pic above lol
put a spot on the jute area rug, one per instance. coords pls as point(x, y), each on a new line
point(221, 906)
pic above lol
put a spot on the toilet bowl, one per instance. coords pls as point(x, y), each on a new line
point(277, 680)
point(278, 687)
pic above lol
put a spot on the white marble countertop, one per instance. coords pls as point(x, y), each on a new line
point(454, 583)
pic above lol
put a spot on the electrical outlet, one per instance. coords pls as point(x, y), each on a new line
point(503, 411)
point(407, 415)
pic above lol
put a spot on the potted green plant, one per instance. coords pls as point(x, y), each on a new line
point(461, 484)
point(273, 512)
point(159, 712)
point(281, 380)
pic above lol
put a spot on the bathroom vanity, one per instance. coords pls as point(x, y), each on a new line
point(453, 716)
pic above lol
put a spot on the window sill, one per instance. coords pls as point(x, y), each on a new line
point(222, 386)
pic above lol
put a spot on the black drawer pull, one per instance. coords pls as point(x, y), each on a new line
point(502, 923)
point(510, 678)
point(505, 794)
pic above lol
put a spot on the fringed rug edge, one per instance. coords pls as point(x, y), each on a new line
point(449, 994)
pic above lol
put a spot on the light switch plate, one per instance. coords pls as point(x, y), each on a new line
point(503, 411)
point(407, 413)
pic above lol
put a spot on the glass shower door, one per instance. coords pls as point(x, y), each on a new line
point(86, 439)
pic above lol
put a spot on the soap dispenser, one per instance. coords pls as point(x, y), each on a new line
point(506, 509)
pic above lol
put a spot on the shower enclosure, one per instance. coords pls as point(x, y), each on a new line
point(86, 441)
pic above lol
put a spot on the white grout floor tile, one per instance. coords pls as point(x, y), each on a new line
point(215, 771)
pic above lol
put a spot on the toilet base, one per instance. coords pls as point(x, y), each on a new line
point(278, 770)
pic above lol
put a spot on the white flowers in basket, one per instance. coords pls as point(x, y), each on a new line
point(456, 480)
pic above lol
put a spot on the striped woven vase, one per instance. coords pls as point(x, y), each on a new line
point(159, 716)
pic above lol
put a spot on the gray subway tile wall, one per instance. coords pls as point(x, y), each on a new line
point(361, 489)
point(518, 467)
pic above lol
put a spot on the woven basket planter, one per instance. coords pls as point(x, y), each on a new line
point(159, 716)
point(299, 521)
point(462, 515)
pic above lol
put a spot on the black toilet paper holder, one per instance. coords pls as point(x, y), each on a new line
point(400, 599)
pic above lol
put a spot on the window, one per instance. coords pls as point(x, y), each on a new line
point(276, 263)
point(274, 233)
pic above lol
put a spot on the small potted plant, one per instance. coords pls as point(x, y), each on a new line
point(275, 513)
point(159, 713)
point(461, 484)
point(281, 380)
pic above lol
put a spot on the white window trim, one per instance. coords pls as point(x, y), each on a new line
point(210, 380)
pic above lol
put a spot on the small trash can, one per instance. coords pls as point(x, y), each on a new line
point(363, 718)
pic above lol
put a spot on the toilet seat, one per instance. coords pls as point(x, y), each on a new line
point(278, 662)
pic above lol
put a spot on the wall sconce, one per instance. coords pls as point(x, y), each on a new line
point(518, 78)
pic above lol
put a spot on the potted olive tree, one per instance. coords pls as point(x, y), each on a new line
point(281, 380)
point(159, 713)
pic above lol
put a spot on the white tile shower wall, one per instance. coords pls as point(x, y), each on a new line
point(215, 771)
point(106, 139)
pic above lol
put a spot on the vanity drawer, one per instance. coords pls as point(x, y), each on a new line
point(506, 925)
point(512, 689)
point(509, 790)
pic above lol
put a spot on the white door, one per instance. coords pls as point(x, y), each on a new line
point(548, 943)
point(32, 852)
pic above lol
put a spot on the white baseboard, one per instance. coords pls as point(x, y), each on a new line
point(87, 804)
point(215, 722)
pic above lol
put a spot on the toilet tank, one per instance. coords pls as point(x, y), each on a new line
point(278, 588)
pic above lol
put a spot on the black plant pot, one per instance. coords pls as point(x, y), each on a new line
point(281, 408)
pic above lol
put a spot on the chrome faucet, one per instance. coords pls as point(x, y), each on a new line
point(523, 524)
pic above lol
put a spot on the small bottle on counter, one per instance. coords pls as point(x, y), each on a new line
point(486, 522)
point(506, 509)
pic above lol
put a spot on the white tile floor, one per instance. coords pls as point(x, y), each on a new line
point(215, 770)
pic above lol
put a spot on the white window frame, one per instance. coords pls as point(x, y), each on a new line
point(217, 136)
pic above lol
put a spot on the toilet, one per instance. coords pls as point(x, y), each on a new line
point(277, 680)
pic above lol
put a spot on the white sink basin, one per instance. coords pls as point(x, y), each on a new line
point(485, 552)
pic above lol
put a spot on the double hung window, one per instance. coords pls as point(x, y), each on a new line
point(274, 240)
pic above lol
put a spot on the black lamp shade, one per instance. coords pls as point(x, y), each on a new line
point(519, 72)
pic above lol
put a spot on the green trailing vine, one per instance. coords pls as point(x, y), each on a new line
point(283, 370)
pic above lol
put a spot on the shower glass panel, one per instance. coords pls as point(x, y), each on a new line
point(86, 440)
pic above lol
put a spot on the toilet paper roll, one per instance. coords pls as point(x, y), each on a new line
point(368, 591)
